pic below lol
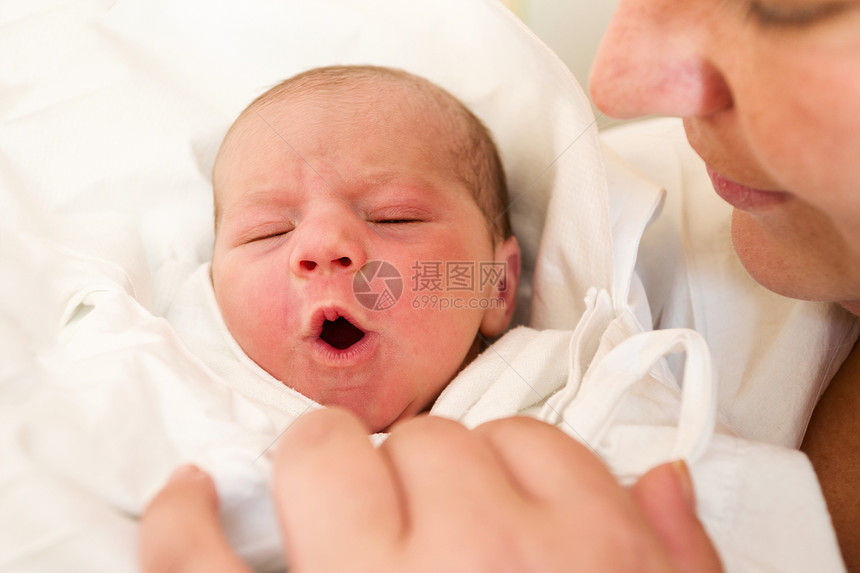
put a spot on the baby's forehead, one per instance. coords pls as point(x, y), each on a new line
point(392, 98)
point(356, 116)
point(363, 111)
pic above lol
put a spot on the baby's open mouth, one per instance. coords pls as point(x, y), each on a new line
point(340, 333)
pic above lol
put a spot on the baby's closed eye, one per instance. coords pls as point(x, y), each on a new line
point(266, 232)
point(395, 221)
point(399, 215)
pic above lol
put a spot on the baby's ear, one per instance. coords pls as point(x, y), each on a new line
point(505, 275)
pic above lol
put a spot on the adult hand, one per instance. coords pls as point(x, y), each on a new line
point(511, 495)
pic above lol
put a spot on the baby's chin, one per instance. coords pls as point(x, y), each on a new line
point(382, 419)
point(369, 404)
point(379, 415)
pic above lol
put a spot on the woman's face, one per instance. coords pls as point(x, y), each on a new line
point(770, 96)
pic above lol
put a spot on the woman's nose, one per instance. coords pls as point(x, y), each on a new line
point(655, 59)
point(328, 245)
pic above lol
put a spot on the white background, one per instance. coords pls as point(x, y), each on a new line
point(572, 28)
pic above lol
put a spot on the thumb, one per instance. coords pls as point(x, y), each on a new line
point(180, 531)
point(666, 497)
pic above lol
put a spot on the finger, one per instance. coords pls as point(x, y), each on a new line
point(665, 496)
point(464, 511)
point(579, 495)
point(544, 462)
point(447, 471)
point(337, 499)
point(180, 531)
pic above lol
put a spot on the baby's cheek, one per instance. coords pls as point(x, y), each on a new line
point(255, 311)
point(445, 334)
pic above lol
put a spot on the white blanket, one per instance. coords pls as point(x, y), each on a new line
point(110, 116)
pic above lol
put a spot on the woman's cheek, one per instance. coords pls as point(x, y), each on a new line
point(812, 87)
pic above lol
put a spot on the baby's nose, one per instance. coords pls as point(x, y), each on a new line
point(323, 247)
point(310, 265)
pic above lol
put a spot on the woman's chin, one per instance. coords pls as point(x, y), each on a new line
point(782, 266)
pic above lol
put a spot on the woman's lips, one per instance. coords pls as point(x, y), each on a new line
point(742, 197)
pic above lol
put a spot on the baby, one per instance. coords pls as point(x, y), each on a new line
point(343, 182)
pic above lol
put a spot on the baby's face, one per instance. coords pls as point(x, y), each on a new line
point(307, 198)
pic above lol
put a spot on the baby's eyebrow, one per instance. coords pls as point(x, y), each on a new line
point(260, 197)
point(382, 181)
point(353, 191)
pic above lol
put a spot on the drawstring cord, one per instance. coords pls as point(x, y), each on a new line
point(598, 381)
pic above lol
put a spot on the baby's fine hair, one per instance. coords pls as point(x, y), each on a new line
point(471, 144)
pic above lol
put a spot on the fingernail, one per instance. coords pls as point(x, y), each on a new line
point(187, 471)
point(685, 483)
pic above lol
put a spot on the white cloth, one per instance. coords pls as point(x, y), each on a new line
point(111, 115)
